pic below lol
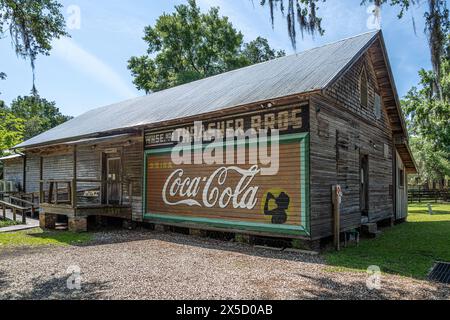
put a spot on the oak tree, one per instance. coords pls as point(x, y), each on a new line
point(188, 45)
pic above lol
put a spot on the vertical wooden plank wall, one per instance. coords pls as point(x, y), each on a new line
point(32, 173)
point(58, 167)
point(13, 171)
point(88, 167)
point(134, 158)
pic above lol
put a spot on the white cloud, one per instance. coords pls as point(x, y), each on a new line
point(82, 60)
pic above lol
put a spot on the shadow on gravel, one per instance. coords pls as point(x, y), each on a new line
point(117, 236)
point(3, 282)
point(124, 236)
point(56, 288)
point(326, 288)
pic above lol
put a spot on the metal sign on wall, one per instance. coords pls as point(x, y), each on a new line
point(287, 119)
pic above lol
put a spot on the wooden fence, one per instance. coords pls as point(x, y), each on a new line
point(428, 195)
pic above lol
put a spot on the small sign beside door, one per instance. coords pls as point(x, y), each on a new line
point(110, 150)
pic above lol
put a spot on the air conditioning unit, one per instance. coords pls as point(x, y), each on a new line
point(9, 186)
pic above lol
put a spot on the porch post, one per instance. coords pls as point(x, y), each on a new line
point(24, 179)
point(41, 183)
point(336, 191)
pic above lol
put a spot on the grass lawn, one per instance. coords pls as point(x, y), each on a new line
point(37, 237)
point(409, 249)
point(7, 223)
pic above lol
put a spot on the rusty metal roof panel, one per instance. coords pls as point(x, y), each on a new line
point(299, 73)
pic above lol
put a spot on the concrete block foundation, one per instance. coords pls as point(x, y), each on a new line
point(78, 224)
point(47, 220)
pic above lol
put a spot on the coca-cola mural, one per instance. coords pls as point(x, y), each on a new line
point(236, 194)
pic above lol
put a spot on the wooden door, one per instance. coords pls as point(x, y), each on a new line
point(364, 187)
point(401, 210)
point(114, 193)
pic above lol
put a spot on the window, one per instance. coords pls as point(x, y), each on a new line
point(377, 106)
point(363, 88)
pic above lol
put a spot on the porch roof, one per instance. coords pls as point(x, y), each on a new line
point(10, 157)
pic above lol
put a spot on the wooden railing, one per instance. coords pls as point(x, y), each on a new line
point(17, 204)
point(85, 192)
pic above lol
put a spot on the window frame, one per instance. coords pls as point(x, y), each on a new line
point(364, 84)
point(378, 112)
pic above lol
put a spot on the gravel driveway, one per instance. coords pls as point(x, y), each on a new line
point(152, 265)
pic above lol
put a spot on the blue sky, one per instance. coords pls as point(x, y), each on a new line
point(89, 69)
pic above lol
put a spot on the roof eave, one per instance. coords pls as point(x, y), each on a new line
point(352, 61)
point(106, 134)
point(394, 87)
point(397, 102)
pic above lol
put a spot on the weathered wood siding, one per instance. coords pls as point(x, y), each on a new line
point(88, 163)
point(341, 132)
point(88, 167)
point(58, 167)
point(134, 168)
point(33, 173)
point(13, 171)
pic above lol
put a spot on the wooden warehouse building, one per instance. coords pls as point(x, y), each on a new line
point(340, 123)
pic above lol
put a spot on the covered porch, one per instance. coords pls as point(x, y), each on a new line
point(85, 178)
point(76, 201)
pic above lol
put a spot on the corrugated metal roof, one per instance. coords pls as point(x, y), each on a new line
point(303, 72)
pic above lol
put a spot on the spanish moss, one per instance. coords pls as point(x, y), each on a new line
point(301, 14)
point(436, 28)
point(32, 25)
point(304, 13)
